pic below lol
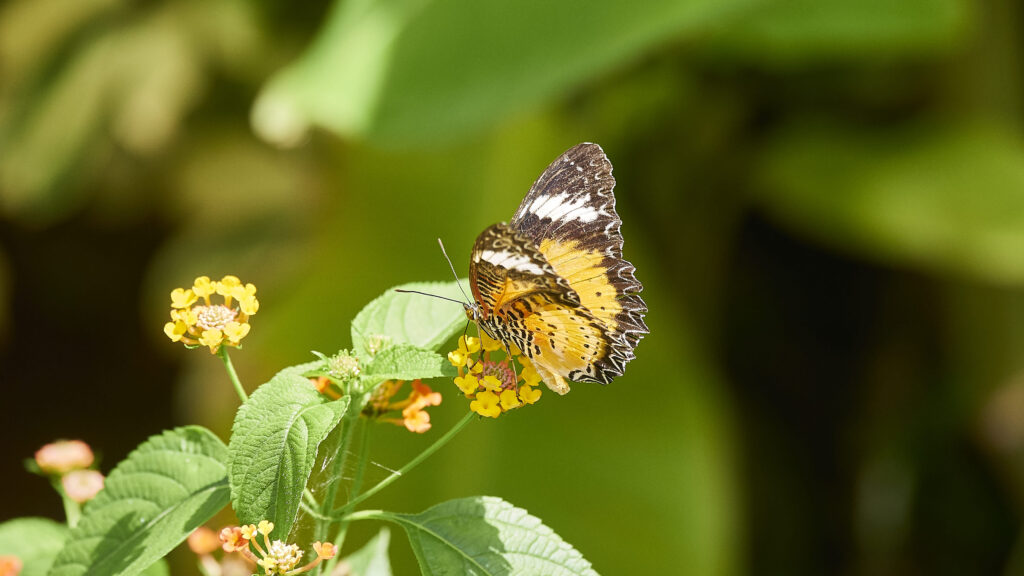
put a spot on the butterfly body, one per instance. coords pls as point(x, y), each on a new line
point(552, 282)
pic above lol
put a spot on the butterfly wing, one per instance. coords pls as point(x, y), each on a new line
point(569, 216)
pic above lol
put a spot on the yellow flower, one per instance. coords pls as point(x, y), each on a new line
point(265, 527)
point(196, 320)
point(457, 358)
point(468, 384)
point(528, 394)
point(235, 331)
point(509, 400)
point(203, 287)
point(490, 344)
point(249, 304)
point(212, 338)
point(226, 285)
point(491, 383)
point(181, 298)
point(248, 532)
point(175, 330)
point(529, 375)
point(486, 404)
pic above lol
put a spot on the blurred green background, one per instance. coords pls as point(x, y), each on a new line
point(824, 200)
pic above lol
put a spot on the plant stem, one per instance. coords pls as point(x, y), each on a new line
point(357, 485)
point(437, 445)
point(223, 353)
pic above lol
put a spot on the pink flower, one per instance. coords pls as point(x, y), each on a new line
point(64, 456)
point(82, 485)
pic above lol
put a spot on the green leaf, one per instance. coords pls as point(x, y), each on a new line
point(415, 71)
point(408, 362)
point(35, 541)
point(372, 558)
point(941, 198)
point(811, 31)
point(158, 568)
point(152, 501)
point(273, 446)
point(484, 535)
point(411, 318)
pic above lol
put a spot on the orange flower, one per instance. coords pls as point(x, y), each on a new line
point(232, 539)
point(10, 566)
point(203, 540)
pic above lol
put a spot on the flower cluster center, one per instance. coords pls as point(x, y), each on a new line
point(214, 317)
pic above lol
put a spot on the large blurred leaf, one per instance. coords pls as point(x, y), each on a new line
point(795, 31)
point(273, 446)
point(169, 486)
point(949, 198)
point(407, 71)
point(35, 541)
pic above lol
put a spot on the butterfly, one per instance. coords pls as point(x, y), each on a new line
point(552, 281)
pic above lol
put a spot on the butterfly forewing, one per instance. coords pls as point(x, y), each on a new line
point(569, 214)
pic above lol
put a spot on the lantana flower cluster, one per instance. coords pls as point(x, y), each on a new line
point(69, 460)
point(495, 387)
point(196, 320)
point(412, 409)
point(274, 557)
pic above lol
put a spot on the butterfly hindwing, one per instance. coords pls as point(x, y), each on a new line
point(506, 266)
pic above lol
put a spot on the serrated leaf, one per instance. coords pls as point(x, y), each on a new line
point(273, 446)
point(484, 535)
point(411, 318)
point(35, 541)
point(152, 501)
point(414, 71)
point(408, 362)
point(372, 558)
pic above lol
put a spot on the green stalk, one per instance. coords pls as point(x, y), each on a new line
point(341, 512)
point(223, 353)
point(357, 485)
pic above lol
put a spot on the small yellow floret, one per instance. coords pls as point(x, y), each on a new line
point(235, 331)
point(248, 532)
point(181, 298)
point(490, 344)
point(468, 384)
point(491, 383)
point(457, 358)
point(265, 527)
point(528, 394)
point(212, 338)
point(175, 330)
point(203, 287)
point(509, 400)
point(248, 304)
point(486, 404)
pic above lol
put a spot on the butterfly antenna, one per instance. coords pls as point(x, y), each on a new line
point(452, 266)
point(428, 294)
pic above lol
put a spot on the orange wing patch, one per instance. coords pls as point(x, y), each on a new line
point(565, 341)
point(586, 274)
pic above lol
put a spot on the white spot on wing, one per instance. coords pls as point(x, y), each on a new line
point(559, 207)
point(506, 259)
